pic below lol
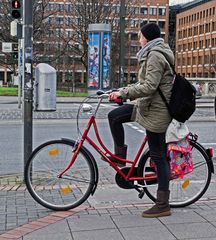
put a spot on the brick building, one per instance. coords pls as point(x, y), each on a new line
point(196, 39)
point(140, 12)
point(146, 11)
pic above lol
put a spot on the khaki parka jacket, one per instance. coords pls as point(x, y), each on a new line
point(155, 71)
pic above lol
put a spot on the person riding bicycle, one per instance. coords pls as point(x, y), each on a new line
point(149, 109)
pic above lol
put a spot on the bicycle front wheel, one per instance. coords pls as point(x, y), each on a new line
point(188, 190)
point(41, 175)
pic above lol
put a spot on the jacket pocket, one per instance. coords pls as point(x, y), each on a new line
point(144, 105)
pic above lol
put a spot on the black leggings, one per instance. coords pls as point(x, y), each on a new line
point(156, 142)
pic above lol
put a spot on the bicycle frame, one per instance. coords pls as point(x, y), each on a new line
point(103, 151)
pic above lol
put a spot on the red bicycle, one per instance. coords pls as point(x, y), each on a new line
point(62, 174)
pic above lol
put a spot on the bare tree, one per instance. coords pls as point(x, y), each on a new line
point(60, 31)
point(85, 12)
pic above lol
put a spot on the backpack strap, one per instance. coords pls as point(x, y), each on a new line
point(159, 90)
point(163, 98)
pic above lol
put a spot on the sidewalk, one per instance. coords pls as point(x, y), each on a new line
point(111, 214)
point(120, 223)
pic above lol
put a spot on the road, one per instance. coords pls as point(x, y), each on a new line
point(11, 142)
point(62, 123)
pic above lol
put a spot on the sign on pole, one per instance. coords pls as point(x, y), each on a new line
point(7, 47)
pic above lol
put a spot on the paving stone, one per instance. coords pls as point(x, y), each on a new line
point(183, 216)
point(134, 221)
point(192, 230)
point(159, 232)
point(209, 215)
point(90, 223)
point(37, 235)
point(105, 234)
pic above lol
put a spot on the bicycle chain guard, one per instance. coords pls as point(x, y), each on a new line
point(121, 182)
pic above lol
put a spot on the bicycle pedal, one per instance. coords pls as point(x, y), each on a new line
point(141, 194)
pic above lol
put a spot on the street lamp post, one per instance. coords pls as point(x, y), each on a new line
point(122, 43)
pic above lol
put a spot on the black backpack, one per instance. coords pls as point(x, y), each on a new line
point(183, 98)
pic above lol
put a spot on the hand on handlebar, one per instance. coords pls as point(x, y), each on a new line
point(115, 97)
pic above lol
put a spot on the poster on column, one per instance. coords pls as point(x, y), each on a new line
point(106, 60)
point(93, 61)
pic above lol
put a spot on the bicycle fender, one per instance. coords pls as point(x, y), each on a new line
point(210, 161)
point(95, 168)
point(141, 158)
point(93, 163)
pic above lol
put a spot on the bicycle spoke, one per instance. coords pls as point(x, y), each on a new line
point(52, 191)
point(192, 186)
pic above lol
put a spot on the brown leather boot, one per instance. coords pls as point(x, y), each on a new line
point(119, 152)
point(161, 208)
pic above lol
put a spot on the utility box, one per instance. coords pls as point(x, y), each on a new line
point(45, 88)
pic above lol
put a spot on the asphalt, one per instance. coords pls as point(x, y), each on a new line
point(111, 213)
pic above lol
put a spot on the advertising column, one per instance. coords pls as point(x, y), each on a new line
point(99, 57)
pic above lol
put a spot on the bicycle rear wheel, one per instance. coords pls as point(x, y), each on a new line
point(45, 164)
point(188, 190)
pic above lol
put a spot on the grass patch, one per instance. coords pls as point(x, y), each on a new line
point(13, 91)
point(8, 91)
point(71, 94)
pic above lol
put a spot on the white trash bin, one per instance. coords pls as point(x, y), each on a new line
point(45, 88)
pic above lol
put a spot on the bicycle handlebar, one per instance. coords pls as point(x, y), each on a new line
point(105, 94)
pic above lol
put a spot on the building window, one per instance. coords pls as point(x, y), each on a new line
point(134, 23)
point(133, 10)
point(194, 61)
point(116, 9)
point(162, 11)
point(200, 60)
point(207, 27)
point(134, 36)
point(195, 30)
point(161, 24)
point(133, 62)
point(143, 23)
point(51, 6)
point(206, 58)
point(153, 11)
point(144, 10)
point(61, 7)
point(59, 20)
point(189, 32)
point(134, 49)
point(213, 26)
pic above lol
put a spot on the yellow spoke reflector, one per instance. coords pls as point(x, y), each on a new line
point(186, 183)
point(53, 152)
point(65, 189)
